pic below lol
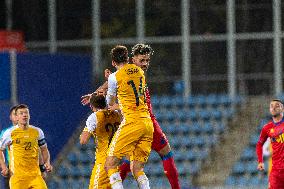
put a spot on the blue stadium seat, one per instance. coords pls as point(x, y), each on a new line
point(191, 156)
point(254, 139)
point(238, 168)
point(254, 181)
point(201, 100)
point(166, 101)
point(220, 127)
point(192, 115)
point(251, 168)
point(52, 185)
point(216, 114)
point(207, 128)
point(184, 129)
point(75, 172)
point(84, 158)
point(195, 128)
point(211, 100)
point(72, 158)
point(242, 181)
point(231, 181)
point(248, 154)
point(179, 156)
point(63, 171)
point(203, 154)
point(86, 170)
point(228, 113)
point(224, 100)
point(204, 115)
point(194, 169)
point(191, 102)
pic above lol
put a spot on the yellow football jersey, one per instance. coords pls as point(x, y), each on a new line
point(128, 83)
point(103, 125)
point(24, 149)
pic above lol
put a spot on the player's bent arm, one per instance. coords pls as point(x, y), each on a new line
point(84, 137)
point(46, 157)
point(4, 169)
point(90, 127)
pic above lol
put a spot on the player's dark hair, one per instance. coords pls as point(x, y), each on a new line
point(141, 49)
point(119, 54)
point(98, 101)
point(278, 100)
point(21, 106)
point(12, 109)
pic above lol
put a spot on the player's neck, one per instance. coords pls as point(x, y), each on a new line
point(278, 118)
point(118, 66)
point(23, 126)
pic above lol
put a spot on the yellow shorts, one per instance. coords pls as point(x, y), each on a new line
point(27, 182)
point(99, 178)
point(133, 138)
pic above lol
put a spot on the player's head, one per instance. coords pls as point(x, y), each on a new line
point(276, 107)
point(97, 102)
point(13, 116)
point(23, 114)
point(141, 55)
point(119, 55)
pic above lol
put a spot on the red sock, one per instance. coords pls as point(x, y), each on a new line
point(124, 169)
point(171, 170)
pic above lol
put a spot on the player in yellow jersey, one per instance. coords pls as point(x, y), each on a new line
point(24, 141)
point(135, 134)
point(102, 124)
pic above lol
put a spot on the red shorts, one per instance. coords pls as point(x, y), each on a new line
point(159, 138)
point(276, 179)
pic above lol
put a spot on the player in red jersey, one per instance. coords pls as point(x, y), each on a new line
point(273, 130)
point(141, 57)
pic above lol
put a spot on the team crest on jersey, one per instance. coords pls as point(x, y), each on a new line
point(271, 130)
point(17, 141)
point(280, 138)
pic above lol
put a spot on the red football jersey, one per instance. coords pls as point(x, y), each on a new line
point(275, 132)
point(148, 101)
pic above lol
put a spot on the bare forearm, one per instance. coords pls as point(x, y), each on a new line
point(45, 155)
point(2, 160)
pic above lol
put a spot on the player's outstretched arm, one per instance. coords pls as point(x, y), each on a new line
point(102, 90)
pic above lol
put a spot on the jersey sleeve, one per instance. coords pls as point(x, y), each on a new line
point(91, 123)
point(112, 87)
point(41, 138)
point(5, 139)
point(259, 146)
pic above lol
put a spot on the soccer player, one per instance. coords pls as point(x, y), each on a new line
point(271, 130)
point(141, 57)
point(13, 119)
point(102, 124)
point(135, 134)
point(24, 141)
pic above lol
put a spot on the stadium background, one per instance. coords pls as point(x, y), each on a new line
point(224, 57)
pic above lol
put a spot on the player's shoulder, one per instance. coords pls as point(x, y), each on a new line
point(8, 131)
point(35, 128)
point(92, 117)
point(268, 125)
